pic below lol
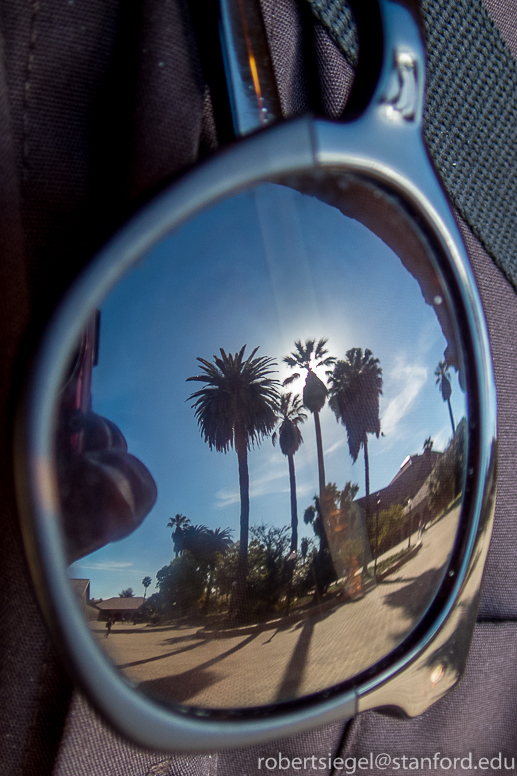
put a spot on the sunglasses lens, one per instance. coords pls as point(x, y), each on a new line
point(261, 445)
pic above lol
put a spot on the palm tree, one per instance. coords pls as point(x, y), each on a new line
point(192, 538)
point(220, 539)
point(443, 381)
point(204, 542)
point(206, 546)
point(179, 522)
point(291, 413)
point(146, 581)
point(309, 357)
point(355, 387)
point(216, 544)
point(237, 408)
point(312, 516)
point(322, 566)
point(342, 497)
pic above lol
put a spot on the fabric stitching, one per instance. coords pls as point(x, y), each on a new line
point(26, 92)
point(350, 735)
point(35, 715)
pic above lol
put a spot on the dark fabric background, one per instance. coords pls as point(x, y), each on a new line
point(101, 103)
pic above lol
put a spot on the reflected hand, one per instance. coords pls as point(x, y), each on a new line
point(105, 491)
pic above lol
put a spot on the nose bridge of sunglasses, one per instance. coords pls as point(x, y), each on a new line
point(400, 92)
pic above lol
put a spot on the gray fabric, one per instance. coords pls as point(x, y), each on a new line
point(502, 12)
point(335, 75)
point(312, 74)
point(337, 18)
point(25, 654)
point(107, 103)
point(472, 139)
point(90, 747)
point(284, 29)
point(498, 596)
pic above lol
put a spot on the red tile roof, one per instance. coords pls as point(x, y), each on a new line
point(121, 604)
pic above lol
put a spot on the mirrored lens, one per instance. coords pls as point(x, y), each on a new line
point(261, 446)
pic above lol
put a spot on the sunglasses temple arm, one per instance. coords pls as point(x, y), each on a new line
point(237, 66)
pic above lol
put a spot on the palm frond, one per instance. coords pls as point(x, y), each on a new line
point(309, 355)
point(290, 414)
point(290, 379)
point(239, 397)
point(355, 386)
point(309, 515)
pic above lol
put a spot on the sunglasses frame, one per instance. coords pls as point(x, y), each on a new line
point(385, 146)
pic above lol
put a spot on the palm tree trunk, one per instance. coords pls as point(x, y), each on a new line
point(319, 447)
point(366, 466)
point(244, 489)
point(294, 506)
point(208, 591)
point(451, 416)
point(175, 540)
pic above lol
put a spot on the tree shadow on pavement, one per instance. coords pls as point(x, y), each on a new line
point(294, 671)
point(177, 639)
point(416, 596)
point(161, 657)
point(182, 687)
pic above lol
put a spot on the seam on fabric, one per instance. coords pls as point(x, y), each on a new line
point(26, 92)
point(35, 715)
point(337, 18)
point(272, 30)
point(352, 730)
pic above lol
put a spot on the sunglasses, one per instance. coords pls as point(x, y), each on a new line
point(256, 457)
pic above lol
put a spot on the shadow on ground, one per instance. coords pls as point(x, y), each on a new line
point(182, 687)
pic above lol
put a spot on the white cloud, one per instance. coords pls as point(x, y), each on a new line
point(264, 486)
point(225, 498)
point(259, 486)
point(442, 438)
point(271, 474)
point(304, 490)
point(104, 566)
point(405, 381)
point(336, 446)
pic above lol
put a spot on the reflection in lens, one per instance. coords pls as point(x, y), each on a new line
point(261, 479)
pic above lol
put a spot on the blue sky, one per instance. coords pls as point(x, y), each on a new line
point(267, 268)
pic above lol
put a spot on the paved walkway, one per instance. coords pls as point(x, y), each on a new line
point(292, 660)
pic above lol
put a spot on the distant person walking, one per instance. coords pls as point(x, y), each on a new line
point(109, 623)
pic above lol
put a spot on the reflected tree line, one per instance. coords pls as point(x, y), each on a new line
point(239, 404)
